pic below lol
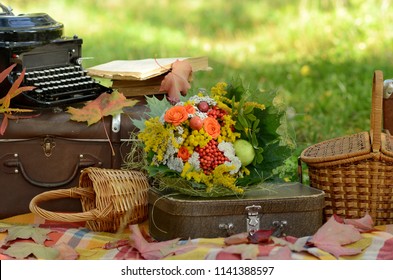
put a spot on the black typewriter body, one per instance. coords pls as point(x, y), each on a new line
point(52, 63)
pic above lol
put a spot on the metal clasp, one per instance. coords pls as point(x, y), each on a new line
point(279, 227)
point(253, 219)
point(48, 144)
point(116, 122)
point(228, 227)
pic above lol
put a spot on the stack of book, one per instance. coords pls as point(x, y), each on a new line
point(142, 77)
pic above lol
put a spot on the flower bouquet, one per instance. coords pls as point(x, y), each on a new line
point(215, 143)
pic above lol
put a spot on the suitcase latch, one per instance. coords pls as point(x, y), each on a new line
point(48, 144)
point(253, 220)
point(279, 228)
point(229, 228)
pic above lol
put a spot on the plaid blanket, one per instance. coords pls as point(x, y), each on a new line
point(74, 241)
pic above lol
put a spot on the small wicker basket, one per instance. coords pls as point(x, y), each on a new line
point(356, 171)
point(111, 199)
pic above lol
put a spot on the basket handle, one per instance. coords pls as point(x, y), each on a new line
point(376, 111)
point(75, 192)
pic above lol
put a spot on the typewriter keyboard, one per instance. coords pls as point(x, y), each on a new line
point(60, 86)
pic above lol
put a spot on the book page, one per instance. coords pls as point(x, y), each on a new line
point(141, 69)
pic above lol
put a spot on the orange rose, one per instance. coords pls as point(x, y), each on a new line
point(190, 109)
point(212, 127)
point(183, 153)
point(176, 115)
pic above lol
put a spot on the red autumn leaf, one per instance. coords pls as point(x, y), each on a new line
point(116, 244)
point(15, 88)
point(4, 74)
point(364, 224)
point(261, 236)
point(150, 251)
point(12, 92)
point(156, 250)
point(4, 257)
point(386, 251)
point(227, 256)
point(4, 124)
point(239, 238)
point(176, 82)
point(104, 105)
point(333, 235)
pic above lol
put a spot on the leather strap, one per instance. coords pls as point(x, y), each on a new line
point(13, 164)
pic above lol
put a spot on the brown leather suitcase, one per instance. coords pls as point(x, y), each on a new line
point(49, 151)
point(388, 114)
point(387, 105)
point(290, 208)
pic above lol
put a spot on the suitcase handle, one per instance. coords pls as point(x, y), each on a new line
point(84, 162)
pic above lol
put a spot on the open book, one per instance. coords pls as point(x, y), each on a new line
point(143, 69)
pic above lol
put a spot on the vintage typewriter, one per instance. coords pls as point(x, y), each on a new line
point(53, 63)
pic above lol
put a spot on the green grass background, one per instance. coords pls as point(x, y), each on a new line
point(320, 54)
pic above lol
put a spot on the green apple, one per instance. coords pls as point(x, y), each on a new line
point(244, 151)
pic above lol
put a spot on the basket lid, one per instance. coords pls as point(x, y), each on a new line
point(387, 144)
point(340, 148)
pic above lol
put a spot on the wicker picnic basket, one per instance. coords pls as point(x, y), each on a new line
point(356, 171)
point(111, 199)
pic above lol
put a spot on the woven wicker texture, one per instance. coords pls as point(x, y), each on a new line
point(356, 171)
point(111, 199)
point(387, 144)
point(339, 148)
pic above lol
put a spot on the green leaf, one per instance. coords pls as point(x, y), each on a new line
point(39, 235)
point(238, 126)
point(21, 250)
point(248, 110)
point(274, 155)
point(271, 131)
point(159, 170)
point(236, 89)
point(243, 121)
point(258, 158)
point(254, 140)
point(157, 107)
point(139, 124)
point(251, 117)
point(255, 125)
point(287, 134)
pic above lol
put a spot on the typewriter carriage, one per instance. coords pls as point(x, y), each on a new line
point(52, 62)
